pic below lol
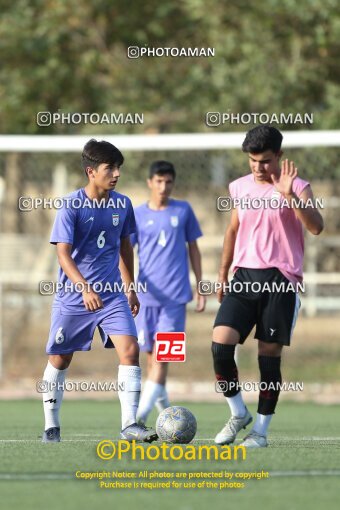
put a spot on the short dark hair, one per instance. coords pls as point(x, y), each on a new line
point(95, 153)
point(261, 139)
point(162, 168)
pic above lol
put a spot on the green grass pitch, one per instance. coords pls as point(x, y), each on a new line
point(302, 461)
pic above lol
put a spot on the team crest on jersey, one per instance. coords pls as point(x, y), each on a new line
point(115, 220)
point(174, 221)
point(59, 336)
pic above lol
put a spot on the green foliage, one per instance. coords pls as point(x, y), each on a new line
point(71, 56)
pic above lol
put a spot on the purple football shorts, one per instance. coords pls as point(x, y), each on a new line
point(152, 319)
point(74, 332)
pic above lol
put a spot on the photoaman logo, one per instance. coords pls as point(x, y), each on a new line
point(108, 450)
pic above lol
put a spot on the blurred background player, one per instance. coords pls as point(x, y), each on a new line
point(164, 227)
point(262, 245)
point(89, 242)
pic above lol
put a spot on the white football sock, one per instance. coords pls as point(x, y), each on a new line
point(163, 400)
point(237, 406)
point(52, 399)
point(151, 392)
point(129, 377)
point(262, 423)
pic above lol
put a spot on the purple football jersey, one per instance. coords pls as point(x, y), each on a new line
point(95, 234)
point(163, 259)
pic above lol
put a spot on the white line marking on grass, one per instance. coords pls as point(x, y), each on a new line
point(38, 476)
point(96, 439)
point(288, 439)
point(19, 440)
point(87, 435)
point(62, 441)
point(309, 438)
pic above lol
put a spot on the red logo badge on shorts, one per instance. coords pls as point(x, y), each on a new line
point(170, 346)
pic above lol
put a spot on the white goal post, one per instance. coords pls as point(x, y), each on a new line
point(180, 141)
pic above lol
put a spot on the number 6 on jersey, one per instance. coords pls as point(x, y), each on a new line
point(101, 239)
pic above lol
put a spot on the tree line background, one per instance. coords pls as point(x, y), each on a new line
point(71, 55)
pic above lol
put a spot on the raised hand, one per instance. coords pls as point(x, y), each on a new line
point(284, 184)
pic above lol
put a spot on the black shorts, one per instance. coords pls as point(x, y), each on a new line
point(274, 313)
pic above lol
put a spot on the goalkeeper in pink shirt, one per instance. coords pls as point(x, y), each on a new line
point(264, 247)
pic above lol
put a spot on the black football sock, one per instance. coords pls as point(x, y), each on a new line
point(225, 368)
point(270, 384)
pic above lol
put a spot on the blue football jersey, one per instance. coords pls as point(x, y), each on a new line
point(95, 234)
point(163, 258)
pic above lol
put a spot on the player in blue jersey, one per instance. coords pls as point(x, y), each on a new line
point(164, 229)
point(92, 234)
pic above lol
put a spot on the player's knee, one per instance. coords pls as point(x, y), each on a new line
point(269, 349)
point(130, 356)
point(222, 353)
point(223, 359)
point(225, 368)
point(226, 335)
point(60, 361)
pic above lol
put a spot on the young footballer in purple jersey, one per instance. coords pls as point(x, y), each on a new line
point(264, 247)
point(92, 235)
point(165, 227)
